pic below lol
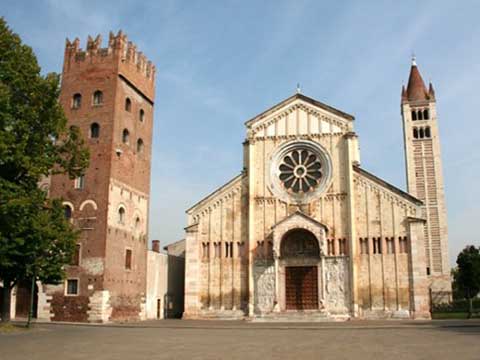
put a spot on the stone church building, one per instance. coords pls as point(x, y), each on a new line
point(305, 230)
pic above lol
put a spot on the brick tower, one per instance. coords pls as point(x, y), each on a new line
point(109, 94)
point(424, 173)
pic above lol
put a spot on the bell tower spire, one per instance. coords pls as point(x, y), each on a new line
point(424, 172)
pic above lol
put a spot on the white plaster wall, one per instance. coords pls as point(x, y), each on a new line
point(157, 280)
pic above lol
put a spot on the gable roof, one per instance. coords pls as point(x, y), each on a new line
point(387, 185)
point(304, 98)
point(216, 191)
point(301, 214)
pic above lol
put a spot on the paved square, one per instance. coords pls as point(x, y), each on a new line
point(247, 341)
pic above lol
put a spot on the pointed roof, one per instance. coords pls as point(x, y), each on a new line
point(301, 214)
point(416, 89)
point(308, 100)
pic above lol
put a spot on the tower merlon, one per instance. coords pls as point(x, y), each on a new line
point(119, 51)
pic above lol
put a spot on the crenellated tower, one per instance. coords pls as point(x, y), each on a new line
point(108, 92)
point(424, 172)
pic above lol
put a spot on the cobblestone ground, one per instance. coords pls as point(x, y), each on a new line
point(247, 341)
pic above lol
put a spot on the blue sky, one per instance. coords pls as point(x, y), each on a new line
point(221, 62)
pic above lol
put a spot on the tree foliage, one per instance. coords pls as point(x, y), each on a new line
point(467, 274)
point(35, 142)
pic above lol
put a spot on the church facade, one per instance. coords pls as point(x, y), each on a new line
point(306, 230)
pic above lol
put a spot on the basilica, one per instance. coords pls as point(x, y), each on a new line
point(306, 230)
point(303, 232)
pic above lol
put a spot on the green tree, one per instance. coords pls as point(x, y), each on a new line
point(467, 274)
point(35, 142)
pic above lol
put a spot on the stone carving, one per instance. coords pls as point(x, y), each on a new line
point(336, 285)
point(264, 277)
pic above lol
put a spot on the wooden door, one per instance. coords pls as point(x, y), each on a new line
point(301, 287)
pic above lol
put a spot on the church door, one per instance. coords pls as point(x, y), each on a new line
point(301, 287)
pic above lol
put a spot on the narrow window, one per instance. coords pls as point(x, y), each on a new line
point(364, 246)
point(240, 247)
point(79, 182)
point(72, 287)
point(125, 136)
point(128, 259)
point(139, 146)
point(342, 247)
point(128, 104)
point(428, 270)
point(420, 115)
point(390, 246)
point(97, 98)
point(402, 244)
point(426, 115)
point(226, 249)
point(141, 115)
point(205, 250)
point(414, 115)
point(77, 101)
point(76, 256)
point(415, 133)
point(121, 215)
point(67, 212)
point(94, 131)
point(377, 246)
point(421, 133)
point(331, 247)
point(427, 132)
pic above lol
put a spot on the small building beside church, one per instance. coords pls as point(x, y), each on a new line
point(306, 229)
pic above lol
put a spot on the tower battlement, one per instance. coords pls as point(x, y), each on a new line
point(120, 52)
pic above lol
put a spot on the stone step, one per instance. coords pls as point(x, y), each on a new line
point(297, 316)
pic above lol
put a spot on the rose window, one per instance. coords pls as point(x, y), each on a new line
point(300, 170)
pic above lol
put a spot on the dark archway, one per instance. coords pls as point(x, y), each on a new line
point(301, 247)
point(299, 243)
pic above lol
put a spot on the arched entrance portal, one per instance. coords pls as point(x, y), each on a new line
point(300, 255)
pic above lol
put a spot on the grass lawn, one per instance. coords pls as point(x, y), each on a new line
point(8, 328)
point(454, 315)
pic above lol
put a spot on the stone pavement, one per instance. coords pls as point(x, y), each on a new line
point(177, 339)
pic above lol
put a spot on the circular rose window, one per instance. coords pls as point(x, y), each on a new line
point(300, 171)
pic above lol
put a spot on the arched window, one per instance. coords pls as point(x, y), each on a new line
point(125, 136)
point(97, 98)
point(426, 115)
point(77, 101)
point(415, 133)
point(67, 210)
point(421, 133)
point(128, 104)
point(141, 115)
point(414, 115)
point(420, 115)
point(121, 215)
point(137, 224)
point(427, 132)
point(139, 145)
point(94, 131)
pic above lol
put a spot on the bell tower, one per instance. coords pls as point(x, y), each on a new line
point(424, 171)
point(108, 93)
